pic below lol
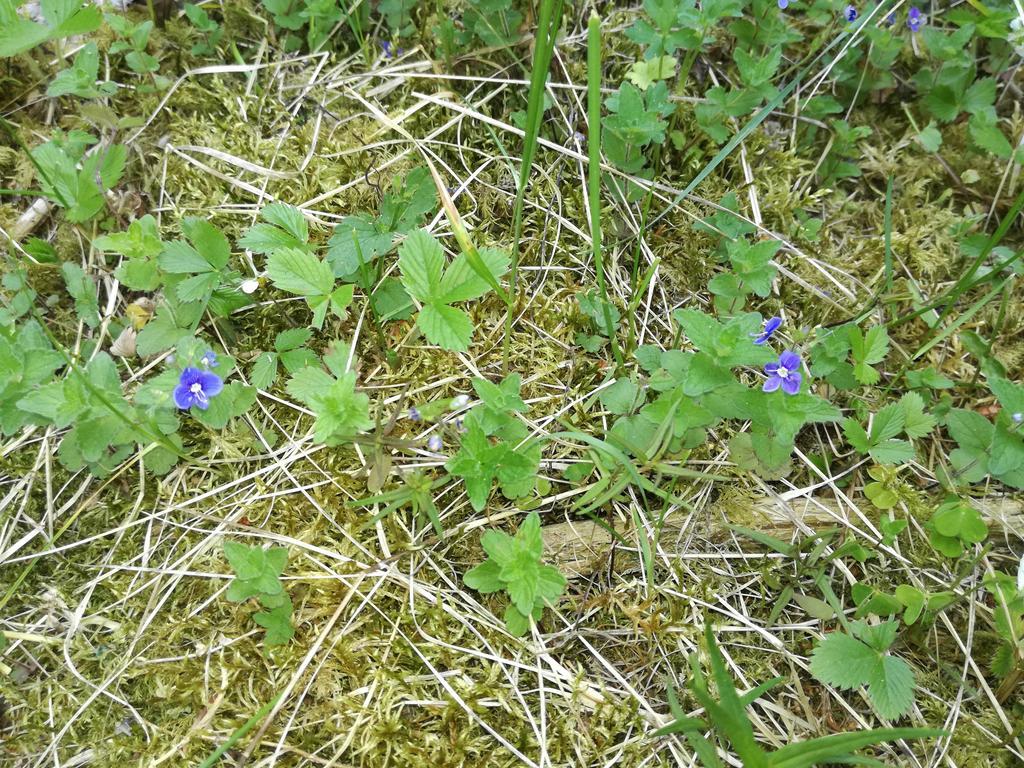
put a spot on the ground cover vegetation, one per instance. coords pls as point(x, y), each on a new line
point(487, 382)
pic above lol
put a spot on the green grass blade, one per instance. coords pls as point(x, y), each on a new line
point(547, 28)
point(594, 171)
point(841, 745)
point(239, 733)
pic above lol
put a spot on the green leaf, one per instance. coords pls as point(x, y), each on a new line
point(960, 520)
point(180, 258)
point(341, 412)
point(644, 74)
point(917, 423)
point(421, 262)
point(355, 237)
point(300, 272)
point(83, 291)
point(930, 138)
point(485, 578)
point(278, 623)
point(61, 18)
point(846, 662)
point(448, 327)
point(621, 397)
point(462, 283)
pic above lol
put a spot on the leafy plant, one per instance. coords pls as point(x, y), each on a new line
point(955, 526)
point(1008, 617)
point(635, 121)
point(494, 23)
point(140, 246)
point(257, 575)
point(341, 412)
point(133, 43)
point(211, 31)
point(514, 566)
point(199, 266)
point(289, 350)
point(495, 445)
point(904, 417)
point(360, 239)
point(437, 285)
point(80, 79)
point(730, 724)
point(61, 18)
point(985, 448)
point(74, 179)
point(859, 658)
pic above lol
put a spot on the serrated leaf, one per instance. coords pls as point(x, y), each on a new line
point(917, 423)
point(448, 327)
point(300, 272)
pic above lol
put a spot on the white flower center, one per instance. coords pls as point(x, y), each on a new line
point(197, 390)
point(783, 372)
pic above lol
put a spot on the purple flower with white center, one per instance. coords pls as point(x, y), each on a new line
point(770, 327)
point(414, 414)
point(434, 443)
point(850, 13)
point(209, 359)
point(914, 18)
point(785, 373)
point(196, 387)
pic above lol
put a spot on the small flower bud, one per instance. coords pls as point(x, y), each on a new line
point(434, 443)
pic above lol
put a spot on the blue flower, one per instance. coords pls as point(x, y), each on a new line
point(209, 359)
point(434, 443)
point(890, 19)
point(783, 4)
point(850, 13)
point(414, 414)
point(1017, 418)
point(196, 387)
point(770, 327)
point(914, 18)
point(785, 373)
point(389, 50)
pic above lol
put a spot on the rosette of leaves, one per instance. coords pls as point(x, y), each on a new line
point(495, 445)
point(514, 566)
